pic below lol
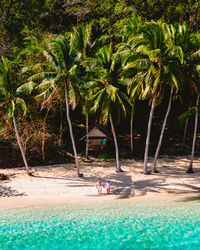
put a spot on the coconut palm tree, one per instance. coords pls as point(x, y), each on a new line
point(127, 29)
point(149, 48)
point(87, 45)
point(108, 98)
point(154, 170)
point(190, 44)
point(86, 41)
point(62, 74)
point(190, 168)
point(155, 58)
point(11, 102)
point(193, 69)
point(134, 91)
point(172, 74)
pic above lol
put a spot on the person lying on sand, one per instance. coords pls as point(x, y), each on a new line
point(99, 186)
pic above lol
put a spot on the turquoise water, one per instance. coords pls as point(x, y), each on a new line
point(102, 226)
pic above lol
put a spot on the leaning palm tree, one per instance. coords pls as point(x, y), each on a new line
point(190, 168)
point(190, 44)
point(62, 74)
point(193, 67)
point(172, 74)
point(149, 47)
point(108, 98)
point(11, 102)
point(155, 58)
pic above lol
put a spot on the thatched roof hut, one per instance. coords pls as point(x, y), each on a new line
point(98, 138)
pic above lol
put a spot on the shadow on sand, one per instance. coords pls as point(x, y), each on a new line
point(8, 192)
point(123, 184)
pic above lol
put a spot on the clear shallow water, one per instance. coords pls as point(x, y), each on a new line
point(102, 226)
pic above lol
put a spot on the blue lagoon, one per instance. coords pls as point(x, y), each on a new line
point(115, 225)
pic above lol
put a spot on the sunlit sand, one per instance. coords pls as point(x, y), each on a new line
point(59, 184)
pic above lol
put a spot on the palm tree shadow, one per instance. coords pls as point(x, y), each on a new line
point(50, 177)
point(8, 192)
point(124, 187)
point(191, 198)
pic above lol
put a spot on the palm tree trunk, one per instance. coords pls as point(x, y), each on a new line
point(162, 133)
point(190, 169)
point(43, 135)
point(20, 146)
point(71, 132)
point(186, 126)
point(131, 129)
point(185, 131)
point(61, 125)
point(116, 145)
point(86, 148)
point(145, 170)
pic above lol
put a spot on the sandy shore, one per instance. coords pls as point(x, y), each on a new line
point(58, 184)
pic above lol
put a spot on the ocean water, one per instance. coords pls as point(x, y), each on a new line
point(120, 225)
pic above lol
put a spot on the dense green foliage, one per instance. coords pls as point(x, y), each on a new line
point(105, 58)
point(59, 16)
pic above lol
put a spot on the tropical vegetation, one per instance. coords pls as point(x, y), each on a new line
point(103, 63)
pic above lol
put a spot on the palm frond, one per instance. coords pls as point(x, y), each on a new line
point(26, 88)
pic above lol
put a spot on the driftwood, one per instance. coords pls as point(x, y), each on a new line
point(68, 154)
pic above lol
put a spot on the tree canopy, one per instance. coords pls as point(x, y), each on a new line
point(107, 61)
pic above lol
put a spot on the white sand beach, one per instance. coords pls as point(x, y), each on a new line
point(58, 184)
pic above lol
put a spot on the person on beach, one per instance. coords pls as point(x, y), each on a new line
point(99, 186)
point(108, 187)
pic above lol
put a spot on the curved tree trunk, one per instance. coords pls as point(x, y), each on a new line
point(190, 169)
point(43, 135)
point(185, 128)
point(131, 129)
point(185, 131)
point(116, 145)
point(71, 132)
point(86, 148)
point(145, 170)
point(162, 133)
point(61, 125)
point(20, 146)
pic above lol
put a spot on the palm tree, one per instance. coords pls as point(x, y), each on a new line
point(190, 44)
point(87, 105)
point(191, 90)
point(155, 61)
point(86, 41)
point(134, 91)
point(63, 74)
point(86, 45)
point(172, 74)
point(190, 169)
point(154, 170)
point(11, 101)
point(150, 48)
point(127, 29)
point(193, 68)
point(108, 98)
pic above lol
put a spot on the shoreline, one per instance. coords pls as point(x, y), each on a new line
point(11, 203)
point(58, 184)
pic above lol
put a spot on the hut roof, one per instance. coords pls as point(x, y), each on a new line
point(97, 132)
